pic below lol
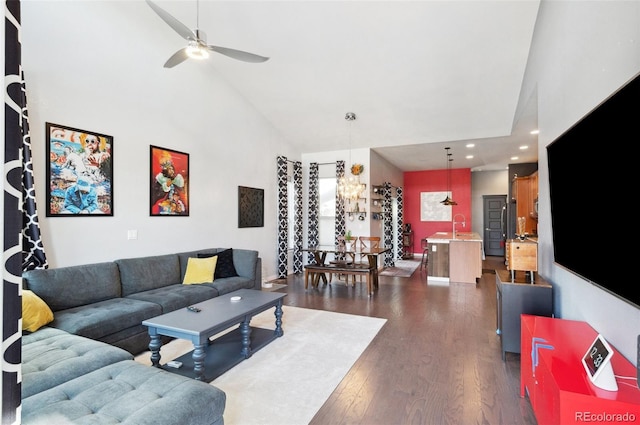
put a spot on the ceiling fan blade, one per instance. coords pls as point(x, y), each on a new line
point(177, 58)
point(178, 26)
point(238, 54)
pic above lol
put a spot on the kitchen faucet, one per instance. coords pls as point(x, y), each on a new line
point(463, 222)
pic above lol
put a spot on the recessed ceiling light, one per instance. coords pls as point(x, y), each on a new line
point(535, 131)
point(524, 147)
point(469, 156)
point(514, 158)
point(470, 145)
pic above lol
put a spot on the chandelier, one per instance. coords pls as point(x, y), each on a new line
point(448, 200)
point(350, 187)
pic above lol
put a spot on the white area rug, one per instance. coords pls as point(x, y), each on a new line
point(403, 268)
point(287, 381)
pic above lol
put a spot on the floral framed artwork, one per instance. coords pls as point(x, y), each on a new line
point(79, 172)
point(169, 182)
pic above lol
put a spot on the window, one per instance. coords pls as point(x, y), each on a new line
point(327, 216)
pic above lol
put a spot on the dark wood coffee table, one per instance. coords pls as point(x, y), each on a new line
point(211, 358)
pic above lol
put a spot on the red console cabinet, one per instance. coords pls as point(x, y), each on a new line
point(552, 375)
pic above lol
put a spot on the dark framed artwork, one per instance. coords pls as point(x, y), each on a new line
point(169, 182)
point(79, 172)
point(250, 207)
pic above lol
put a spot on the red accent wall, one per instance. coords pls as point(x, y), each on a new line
point(416, 182)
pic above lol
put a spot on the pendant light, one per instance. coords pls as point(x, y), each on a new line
point(350, 187)
point(448, 200)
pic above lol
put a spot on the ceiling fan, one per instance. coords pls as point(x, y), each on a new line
point(197, 48)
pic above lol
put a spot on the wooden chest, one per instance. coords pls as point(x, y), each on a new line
point(522, 255)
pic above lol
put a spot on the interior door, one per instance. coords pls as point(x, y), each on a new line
point(494, 216)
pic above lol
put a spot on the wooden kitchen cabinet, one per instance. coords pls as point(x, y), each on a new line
point(521, 193)
point(522, 255)
point(455, 258)
point(533, 196)
point(465, 261)
point(439, 260)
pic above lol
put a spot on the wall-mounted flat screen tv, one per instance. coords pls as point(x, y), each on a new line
point(593, 182)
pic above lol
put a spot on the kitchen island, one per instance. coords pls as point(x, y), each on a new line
point(455, 257)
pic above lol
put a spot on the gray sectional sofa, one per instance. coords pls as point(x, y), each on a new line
point(108, 301)
point(70, 379)
point(80, 366)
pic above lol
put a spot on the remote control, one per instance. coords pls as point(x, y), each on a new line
point(174, 364)
point(194, 309)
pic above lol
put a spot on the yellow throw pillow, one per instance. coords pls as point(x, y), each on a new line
point(35, 312)
point(200, 270)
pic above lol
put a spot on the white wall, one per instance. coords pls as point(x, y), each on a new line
point(485, 183)
point(382, 171)
point(582, 52)
point(78, 74)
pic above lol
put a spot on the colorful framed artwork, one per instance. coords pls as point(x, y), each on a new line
point(169, 182)
point(250, 207)
point(79, 172)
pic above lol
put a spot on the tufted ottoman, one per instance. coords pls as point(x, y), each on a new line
point(127, 393)
point(69, 379)
point(51, 356)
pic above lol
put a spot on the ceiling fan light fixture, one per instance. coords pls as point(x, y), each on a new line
point(197, 47)
point(195, 51)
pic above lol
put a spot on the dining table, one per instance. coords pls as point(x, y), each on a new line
point(320, 255)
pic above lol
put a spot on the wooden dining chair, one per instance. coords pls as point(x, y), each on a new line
point(364, 243)
point(367, 242)
point(343, 260)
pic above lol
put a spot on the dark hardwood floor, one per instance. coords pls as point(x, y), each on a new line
point(437, 360)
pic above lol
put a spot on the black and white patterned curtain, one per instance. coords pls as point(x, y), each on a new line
point(32, 248)
point(387, 226)
point(340, 225)
point(297, 224)
point(314, 208)
point(22, 245)
point(400, 224)
point(283, 218)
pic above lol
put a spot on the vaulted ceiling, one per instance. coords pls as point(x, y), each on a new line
point(420, 75)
